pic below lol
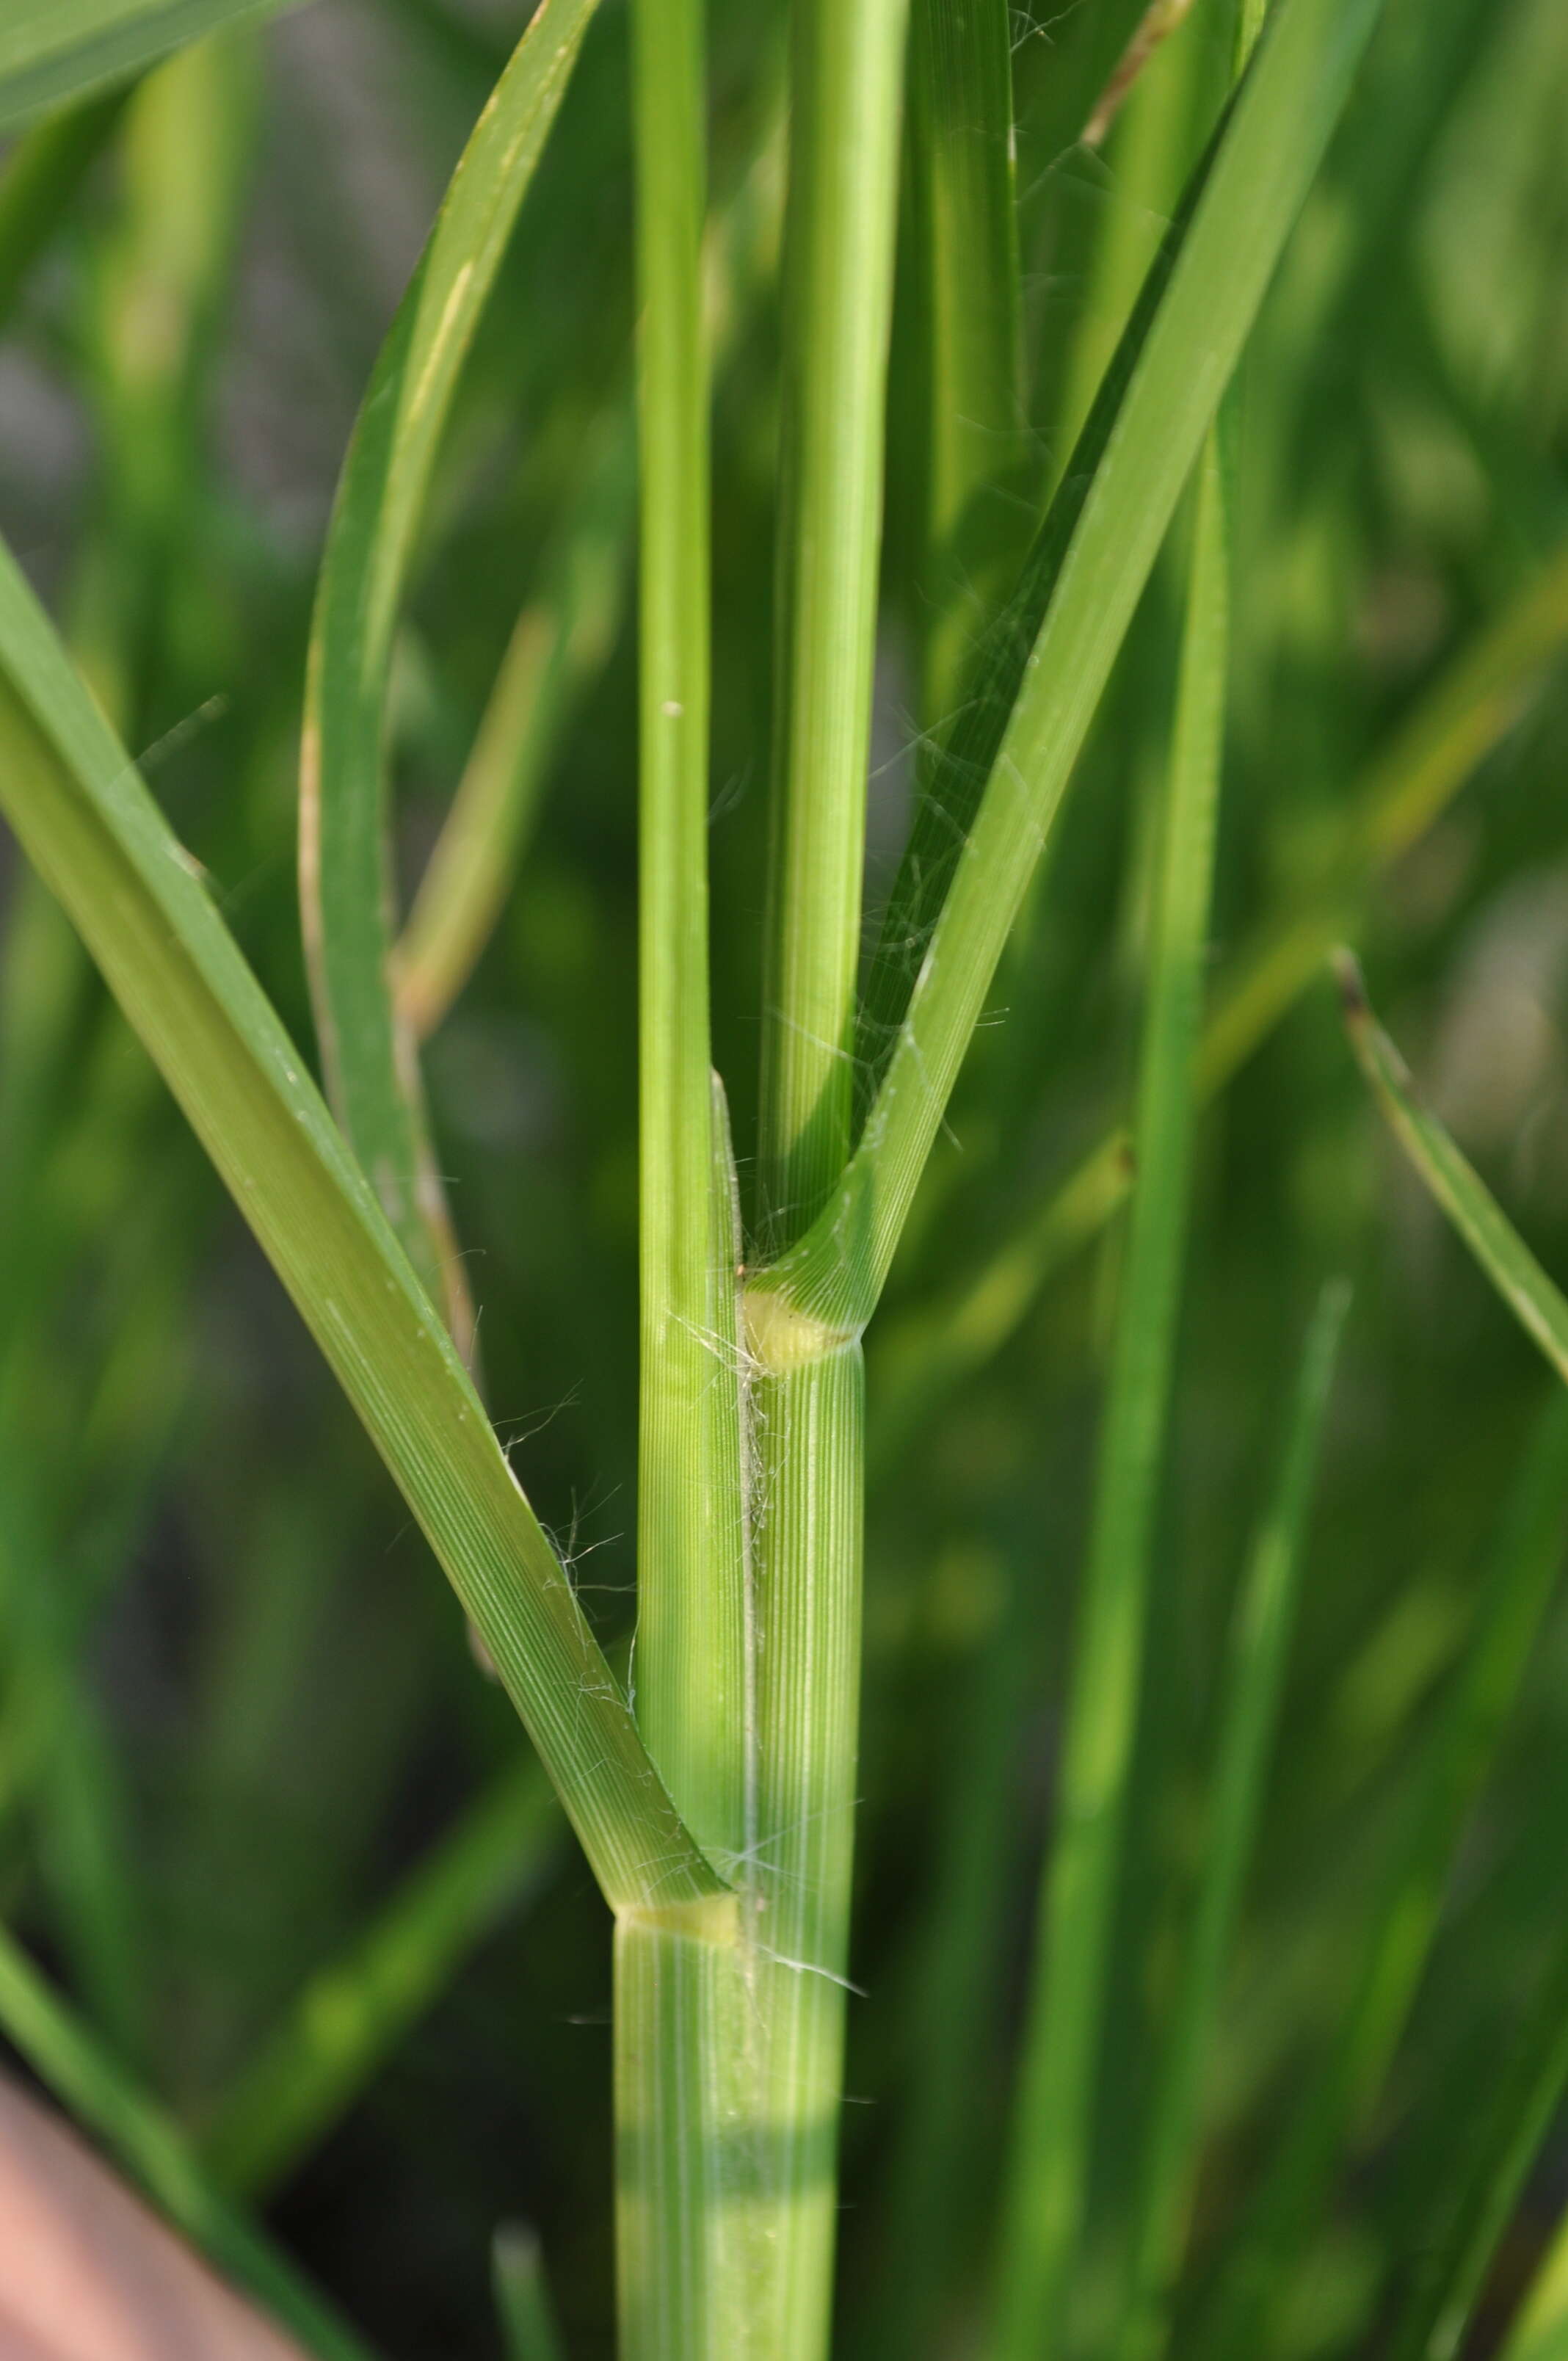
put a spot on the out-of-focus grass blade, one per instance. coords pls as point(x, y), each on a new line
point(146, 2145)
point(559, 640)
point(1151, 154)
point(937, 2153)
point(158, 294)
point(345, 885)
point(79, 1805)
point(1535, 1301)
point(1398, 1946)
point(1540, 2331)
point(528, 2326)
point(923, 1357)
point(351, 2016)
point(85, 819)
point(1470, 707)
point(52, 51)
point(1260, 1640)
point(1054, 2110)
point(1495, 2153)
point(41, 177)
point(1056, 646)
point(961, 162)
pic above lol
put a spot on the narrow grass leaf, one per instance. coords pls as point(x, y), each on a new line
point(847, 62)
point(1048, 2179)
point(1539, 2332)
point(1249, 2301)
point(1151, 156)
point(1149, 428)
point(529, 2327)
point(85, 2079)
point(924, 1356)
point(979, 511)
point(1535, 1299)
point(157, 307)
point(1260, 1640)
point(350, 2017)
point(41, 178)
point(86, 821)
point(937, 2178)
point(1495, 2153)
point(558, 645)
point(78, 1802)
point(53, 51)
point(345, 887)
point(564, 637)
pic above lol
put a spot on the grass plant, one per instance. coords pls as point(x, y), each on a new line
point(836, 496)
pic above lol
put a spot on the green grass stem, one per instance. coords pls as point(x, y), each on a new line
point(561, 640)
point(685, 2262)
point(690, 1591)
point(845, 65)
point(1095, 557)
point(805, 1401)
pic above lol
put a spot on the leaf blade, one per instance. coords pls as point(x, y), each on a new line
point(1275, 135)
point(1407, 786)
point(88, 824)
point(1053, 2119)
point(1369, 2024)
point(1259, 1641)
point(1534, 1299)
point(368, 1047)
point(977, 508)
point(52, 51)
